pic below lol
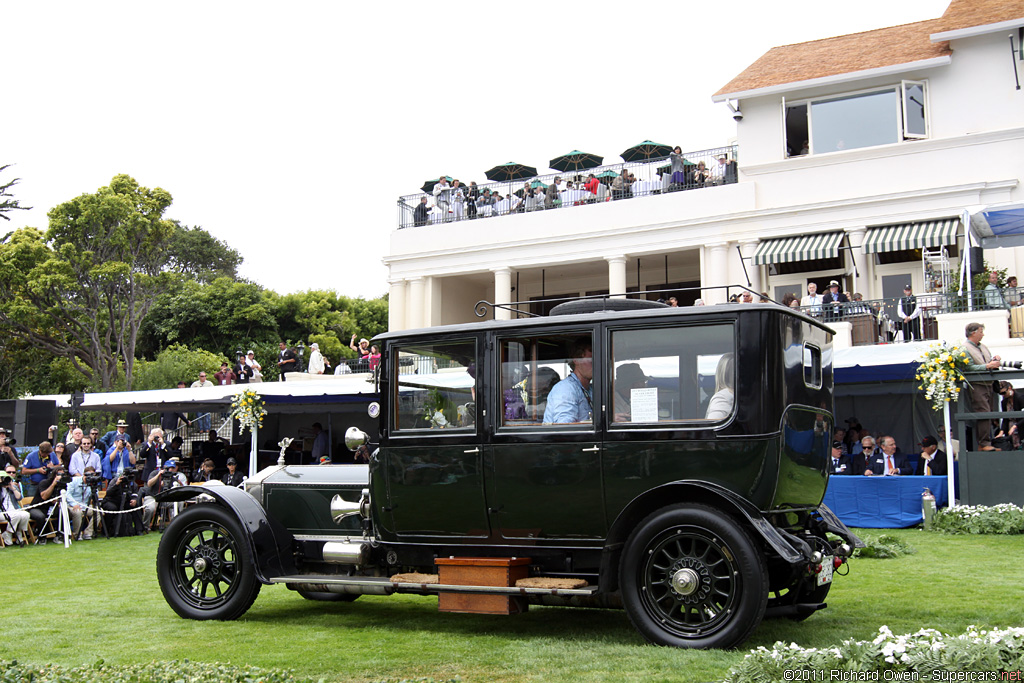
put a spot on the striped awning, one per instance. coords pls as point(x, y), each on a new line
point(800, 248)
point(911, 235)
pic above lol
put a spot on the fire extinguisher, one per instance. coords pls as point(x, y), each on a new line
point(928, 507)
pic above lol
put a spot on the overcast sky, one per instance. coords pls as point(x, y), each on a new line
point(289, 130)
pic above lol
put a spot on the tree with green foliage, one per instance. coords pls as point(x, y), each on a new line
point(197, 254)
point(219, 316)
point(82, 289)
point(177, 363)
point(7, 201)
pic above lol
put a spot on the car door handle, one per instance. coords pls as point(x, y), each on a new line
point(472, 450)
point(591, 450)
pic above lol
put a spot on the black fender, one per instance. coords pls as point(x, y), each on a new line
point(835, 526)
point(691, 491)
point(271, 544)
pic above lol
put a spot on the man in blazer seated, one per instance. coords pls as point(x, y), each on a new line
point(933, 461)
point(888, 462)
point(839, 463)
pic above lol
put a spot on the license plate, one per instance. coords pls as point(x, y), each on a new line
point(825, 575)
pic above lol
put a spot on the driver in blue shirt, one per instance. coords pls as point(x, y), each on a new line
point(572, 399)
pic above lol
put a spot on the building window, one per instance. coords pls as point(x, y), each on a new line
point(856, 120)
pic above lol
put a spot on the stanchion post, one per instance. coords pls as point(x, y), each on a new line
point(65, 518)
point(950, 476)
point(253, 451)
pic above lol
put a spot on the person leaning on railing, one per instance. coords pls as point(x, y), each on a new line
point(980, 392)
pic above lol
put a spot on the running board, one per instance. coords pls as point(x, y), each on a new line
point(426, 588)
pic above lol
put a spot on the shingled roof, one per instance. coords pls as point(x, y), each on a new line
point(875, 49)
point(970, 13)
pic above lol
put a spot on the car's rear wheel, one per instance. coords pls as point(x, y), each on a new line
point(692, 577)
point(205, 567)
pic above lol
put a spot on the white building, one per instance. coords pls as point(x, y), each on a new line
point(910, 125)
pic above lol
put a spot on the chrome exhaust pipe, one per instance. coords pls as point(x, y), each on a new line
point(343, 552)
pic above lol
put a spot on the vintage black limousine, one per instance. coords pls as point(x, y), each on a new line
point(668, 461)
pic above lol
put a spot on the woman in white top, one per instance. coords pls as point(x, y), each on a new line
point(720, 406)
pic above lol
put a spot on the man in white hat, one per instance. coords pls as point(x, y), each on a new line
point(317, 362)
point(833, 300)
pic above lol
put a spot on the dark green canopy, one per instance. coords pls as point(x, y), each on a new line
point(646, 151)
point(575, 161)
point(428, 186)
point(511, 171)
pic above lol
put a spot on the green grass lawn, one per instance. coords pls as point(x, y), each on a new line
point(101, 599)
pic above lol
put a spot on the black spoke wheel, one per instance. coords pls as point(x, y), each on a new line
point(692, 577)
point(205, 566)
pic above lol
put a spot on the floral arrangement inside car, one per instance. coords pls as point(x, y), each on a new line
point(249, 409)
point(940, 373)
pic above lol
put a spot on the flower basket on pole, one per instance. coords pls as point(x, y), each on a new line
point(249, 409)
point(940, 375)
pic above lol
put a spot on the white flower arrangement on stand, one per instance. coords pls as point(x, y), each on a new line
point(249, 409)
point(940, 373)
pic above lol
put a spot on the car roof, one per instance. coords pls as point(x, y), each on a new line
point(715, 311)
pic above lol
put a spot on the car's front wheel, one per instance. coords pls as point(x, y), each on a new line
point(204, 565)
point(692, 577)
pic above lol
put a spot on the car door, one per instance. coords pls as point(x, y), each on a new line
point(544, 469)
point(432, 461)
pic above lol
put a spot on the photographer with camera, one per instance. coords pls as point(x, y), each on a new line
point(119, 458)
point(56, 481)
point(10, 507)
point(8, 454)
point(153, 453)
point(79, 494)
point(167, 477)
point(123, 494)
point(37, 466)
point(84, 457)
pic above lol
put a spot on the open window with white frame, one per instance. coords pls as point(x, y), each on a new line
point(867, 118)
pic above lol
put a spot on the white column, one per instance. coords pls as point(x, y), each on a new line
point(747, 249)
point(502, 292)
point(396, 305)
point(865, 282)
point(415, 303)
point(717, 272)
point(616, 276)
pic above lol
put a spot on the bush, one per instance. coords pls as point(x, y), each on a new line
point(924, 652)
point(153, 672)
point(884, 547)
point(176, 363)
point(1004, 518)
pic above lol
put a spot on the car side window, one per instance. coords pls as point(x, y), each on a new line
point(434, 386)
point(673, 374)
point(546, 380)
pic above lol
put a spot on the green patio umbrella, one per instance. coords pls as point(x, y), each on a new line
point(576, 161)
point(537, 183)
point(428, 186)
point(511, 171)
point(668, 167)
point(607, 174)
point(646, 151)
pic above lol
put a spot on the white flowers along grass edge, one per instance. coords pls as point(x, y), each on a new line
point(925, 655)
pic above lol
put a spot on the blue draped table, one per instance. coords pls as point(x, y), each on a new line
point(881, 502)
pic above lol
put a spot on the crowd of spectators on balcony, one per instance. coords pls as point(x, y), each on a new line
point(454, 201)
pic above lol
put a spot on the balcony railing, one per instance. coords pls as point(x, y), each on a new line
point(878, 321)
point(702, 169)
